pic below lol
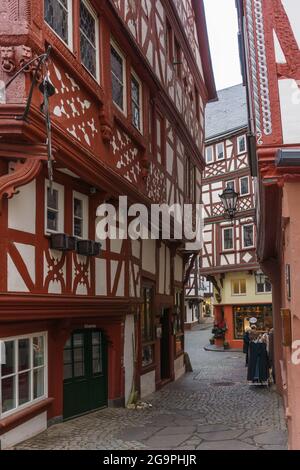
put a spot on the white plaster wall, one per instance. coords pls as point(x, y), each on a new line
point(128, 354)
point(149, 255)
point(179, 367)
point(178, 268)
point(121, 285)
point(22, 209)
point(279, 55)
point(27, 253)
point(116, 245)
point(189, 314)
point(147, 383)
point(24, 431)
point(101, 276)
point(289, 94)
point(15, 281)
point(136, 248)
point(292, 10)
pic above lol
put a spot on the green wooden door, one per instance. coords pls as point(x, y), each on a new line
point(85, 373)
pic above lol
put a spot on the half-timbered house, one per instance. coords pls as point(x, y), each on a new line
point(228, 256)
point(79, 329)
point(270, 53)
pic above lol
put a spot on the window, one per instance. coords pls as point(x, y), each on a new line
point(169, 41)
point(147, 327)
point(228, 238)
point(244, 186)
point(23, 372)
point(220, 151)
point(178, 322)
point(89, 41)
point(248, 236)
point(80, 215)
point(177, 62)
point(241, 144)
point(118, 78)
point(238, 287)
point(197, 104)
point(54, 203)
point(58, 15)
point(264, 287)
point(160, 141)
point(209, 154)
point(136, 102)
point(150, 126)
point(230, 185)
point(243, 313)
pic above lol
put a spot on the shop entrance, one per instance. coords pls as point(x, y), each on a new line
point(85, 373)
point(165, 345)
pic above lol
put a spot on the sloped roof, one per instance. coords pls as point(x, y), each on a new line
point(228, 113)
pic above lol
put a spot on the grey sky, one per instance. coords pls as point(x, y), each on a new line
point(222, 26)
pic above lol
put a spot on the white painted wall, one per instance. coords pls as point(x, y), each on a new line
point(147, 383)
point(101, 276)
point(24, 431)
point(292, 10)
point(149, 255)
point(289, 94)
point(128, 354)
point(22, 209)
point(178, 268)
point(179, 367)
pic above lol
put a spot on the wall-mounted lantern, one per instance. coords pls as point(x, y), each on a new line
point(229, 200)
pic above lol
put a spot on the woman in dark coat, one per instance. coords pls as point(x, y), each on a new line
point(246, 339)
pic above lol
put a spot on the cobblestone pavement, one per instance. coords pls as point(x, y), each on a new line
point(210, 408)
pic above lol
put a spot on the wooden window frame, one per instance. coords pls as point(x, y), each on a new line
point(243, 236)
point(239, 138)
point(61, 209)
point(239, 281)
point(16, 372)
point(223, 146)
point(97, 50)
point(70, 43)
point(114, 45)
point(212, 154)
point(140, 104)
point(223, 239)
point(240, 184)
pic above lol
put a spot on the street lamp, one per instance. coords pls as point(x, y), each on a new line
point(229, 200)
point(260, 277)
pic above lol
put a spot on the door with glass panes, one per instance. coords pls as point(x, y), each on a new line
point(85, 373)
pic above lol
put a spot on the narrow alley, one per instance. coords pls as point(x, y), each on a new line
point(212, 407)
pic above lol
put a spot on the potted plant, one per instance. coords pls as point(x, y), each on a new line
point(226, 345)
point(212, 340)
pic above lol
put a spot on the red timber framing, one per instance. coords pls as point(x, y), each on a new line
point(271, 52)
point(99, 155)
point(233, 169)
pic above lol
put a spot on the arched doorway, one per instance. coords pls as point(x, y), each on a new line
point(85, 372)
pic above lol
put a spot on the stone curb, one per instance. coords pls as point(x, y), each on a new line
point(213, 348)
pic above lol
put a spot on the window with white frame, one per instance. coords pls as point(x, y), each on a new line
point(80, 215)
point(264, 287)
point(54, 208)
point(89, 38)
point(220, 151)
point(228, 239)
point(136, 102)
point(248, 236)
point(209, 154)
point(58, 15)
point(230, 185)
point(244, 186)
point(241, 142)
point(23, 371)
point(238, 287)
point(118, 75)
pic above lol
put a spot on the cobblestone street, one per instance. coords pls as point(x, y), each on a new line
point(210, 408)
